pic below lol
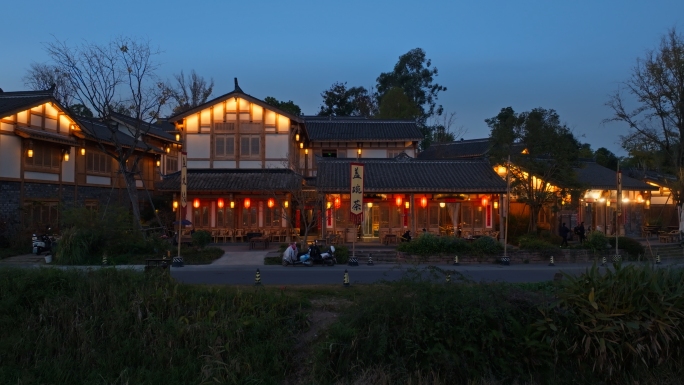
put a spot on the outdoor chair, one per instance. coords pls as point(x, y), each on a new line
point(239, 235)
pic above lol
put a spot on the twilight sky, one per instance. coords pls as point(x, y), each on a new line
point(565, 55)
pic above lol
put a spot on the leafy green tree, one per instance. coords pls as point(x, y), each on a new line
point(288, 106)
point(342, 101)
point(657, 119)
point(586, 152)
point(397, 105)
point(413, 74)
point(606, 158)
point(543, 153)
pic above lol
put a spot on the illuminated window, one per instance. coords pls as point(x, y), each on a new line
point(44, 156)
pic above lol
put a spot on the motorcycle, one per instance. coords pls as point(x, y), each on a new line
point(42, 243)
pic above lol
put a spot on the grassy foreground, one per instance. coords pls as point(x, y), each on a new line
point(121, 327)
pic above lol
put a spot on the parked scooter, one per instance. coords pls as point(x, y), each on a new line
point(42, 243)
point(327, 257)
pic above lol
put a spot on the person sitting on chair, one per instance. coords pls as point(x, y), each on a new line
point(406, 237)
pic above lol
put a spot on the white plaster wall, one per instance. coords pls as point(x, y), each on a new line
point(250, 164)
point(277, 146)
point(10, 156)
point(69, 168)
point(198, 145)
point(372, 153)
point(41, 176)
point(138, 183)
point(6, 127)
point(92, 179)
point(198, 164)
point(224, 164)
point(276, 163)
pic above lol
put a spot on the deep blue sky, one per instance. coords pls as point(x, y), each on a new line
point(565, 55)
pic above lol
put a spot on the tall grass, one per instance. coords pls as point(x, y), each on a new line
point(109, 326)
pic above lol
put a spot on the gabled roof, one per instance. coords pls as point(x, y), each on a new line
point(405, 174)
point(657, 177)
point(234, 180)
point(13, 102)
point(96, 130)
point(471, 148)
point(597, 177)
point(344, 129)
point(236, 93)
point(145, 127)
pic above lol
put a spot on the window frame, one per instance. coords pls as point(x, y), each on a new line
point(225, 138)
point(251, 154)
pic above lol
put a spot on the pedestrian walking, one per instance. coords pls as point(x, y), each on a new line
point(564, 230)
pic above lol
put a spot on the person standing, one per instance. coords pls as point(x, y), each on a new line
point(564, 230)
point(581, 232)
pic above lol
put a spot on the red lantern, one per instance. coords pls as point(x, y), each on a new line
point(484, 201)
point(195, 203)
point(398, 201)
point(271, 203)
point(423, 202)
point(247, 203)
point(338, 203)
point(220, 203)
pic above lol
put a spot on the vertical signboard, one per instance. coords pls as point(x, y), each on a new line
point(356, 193)
point(184, 179)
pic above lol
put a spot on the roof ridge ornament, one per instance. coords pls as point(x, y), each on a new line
point(403, 157)
point(237, 87)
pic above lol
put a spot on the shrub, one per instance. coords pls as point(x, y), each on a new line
point(631, 246)
point(596, 241)
point(487, 246)
point(531, 242)
point(551, 238)
point(429, 244)
point(342, 254)
point(201, 238)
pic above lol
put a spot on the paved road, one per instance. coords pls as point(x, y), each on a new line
point(325, 275)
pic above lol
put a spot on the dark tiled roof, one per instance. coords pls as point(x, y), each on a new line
point(13, 102)
point(472, 148)
point(323, 129)
point(98, 131)
point(145, 127)
point(403, 174)
point(236, 180)
point(54, 137)
point(597, 177)
point(657, 177)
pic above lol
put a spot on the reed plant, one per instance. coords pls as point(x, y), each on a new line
point(121, 327)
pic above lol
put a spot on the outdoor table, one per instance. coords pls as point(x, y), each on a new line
point(249, 236)
point(261, 240)
point(390, 238)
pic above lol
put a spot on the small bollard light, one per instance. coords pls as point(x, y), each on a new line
point(346, 278)
point(257, 278)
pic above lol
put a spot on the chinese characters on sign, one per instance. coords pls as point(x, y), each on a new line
point(356, 189)
point(184, 179)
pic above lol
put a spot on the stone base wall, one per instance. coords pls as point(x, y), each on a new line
point(517, 257)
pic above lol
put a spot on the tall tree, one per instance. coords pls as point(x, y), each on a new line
point(342, 101)
point(606, 158)
point(189, 92)
point(119, 73)
point(550, 156)
point(397, 105)
point(413, 73)
point(40, 77)
point(657, 120)
point(288, 106)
